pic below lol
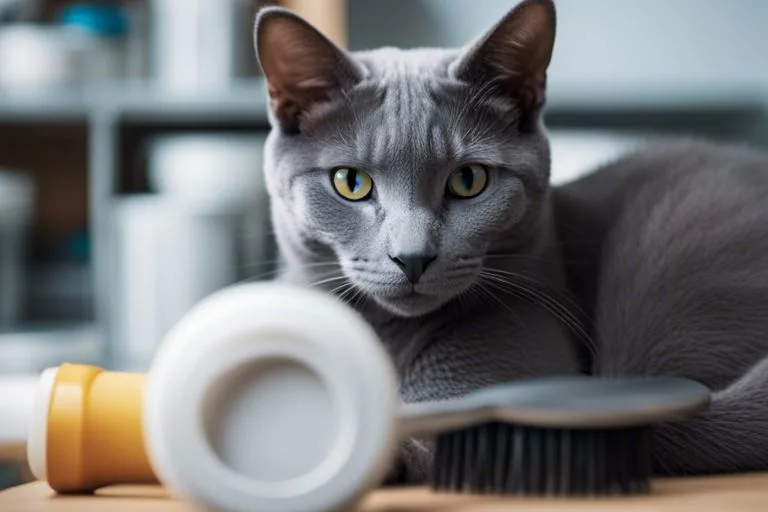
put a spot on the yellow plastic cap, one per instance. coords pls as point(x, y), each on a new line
point(86, 430)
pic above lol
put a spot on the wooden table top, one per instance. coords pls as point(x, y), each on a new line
point(742, 493)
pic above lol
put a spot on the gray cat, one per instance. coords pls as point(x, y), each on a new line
point(414, 185)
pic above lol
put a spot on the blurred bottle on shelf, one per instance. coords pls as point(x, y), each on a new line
point(99, 33)
point(204, 220)
point(199, 45)
point(85, 45)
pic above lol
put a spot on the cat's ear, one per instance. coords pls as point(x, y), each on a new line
point(514, 54)
point(302, 67)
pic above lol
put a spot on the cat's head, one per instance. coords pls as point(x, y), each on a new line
point(408, 166)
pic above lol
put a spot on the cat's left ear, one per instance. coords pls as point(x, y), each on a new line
point(514, 54)
point(302, 67)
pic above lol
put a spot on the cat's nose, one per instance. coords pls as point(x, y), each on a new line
point(413, 265)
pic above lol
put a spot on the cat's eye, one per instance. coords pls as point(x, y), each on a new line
point(352, 184)
point(468, 181)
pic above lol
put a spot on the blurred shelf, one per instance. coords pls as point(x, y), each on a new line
point(674, 95)
point(31, 349)
point(39, 106)
point(244, 102)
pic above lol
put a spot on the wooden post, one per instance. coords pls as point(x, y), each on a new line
point(328, 16)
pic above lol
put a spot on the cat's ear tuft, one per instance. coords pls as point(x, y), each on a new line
point(301, 66)
point(515, 53)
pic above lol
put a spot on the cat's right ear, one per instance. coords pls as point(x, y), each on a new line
point(514, 55)
point(302, 67)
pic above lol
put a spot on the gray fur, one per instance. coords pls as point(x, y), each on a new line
point(657, 263)
point(669, 248)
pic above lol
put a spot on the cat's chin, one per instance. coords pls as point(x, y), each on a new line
point(410, 306)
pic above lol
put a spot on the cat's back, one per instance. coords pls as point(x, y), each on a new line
point(667, 205)
point(661, 172)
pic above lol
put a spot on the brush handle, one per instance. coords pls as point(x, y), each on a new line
point(432, 418)
point(562, 402)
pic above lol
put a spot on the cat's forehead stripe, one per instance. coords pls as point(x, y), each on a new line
point(409, 113)
point(404, 128)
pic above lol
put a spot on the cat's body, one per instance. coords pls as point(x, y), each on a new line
point(657, 263)
point(668, 250)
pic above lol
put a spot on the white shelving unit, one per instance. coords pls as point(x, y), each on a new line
point(106, 112)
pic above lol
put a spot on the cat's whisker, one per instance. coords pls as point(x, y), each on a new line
point(539, 282)
point(358, 299)
point(343, 294)
point(460, 298)
point(526, 295)
point(552, 303)
point(347, 292)
point(488, 293)
point(329, 273)
point(466, 296)
point(261, 276)
point(540, 298)
point(328, 280)
point(340, 289)
point(561, 314)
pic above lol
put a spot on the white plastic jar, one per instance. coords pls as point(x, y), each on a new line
point(270, 398)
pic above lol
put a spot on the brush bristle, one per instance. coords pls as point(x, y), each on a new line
point(497, 458)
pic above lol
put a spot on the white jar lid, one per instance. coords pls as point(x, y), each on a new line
point(208, 167)
point(267, 397)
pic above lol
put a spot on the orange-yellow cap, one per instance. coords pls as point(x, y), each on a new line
point(86, 430)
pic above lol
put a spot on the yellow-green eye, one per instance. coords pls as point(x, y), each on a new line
point(352, 184)
point(468, 181)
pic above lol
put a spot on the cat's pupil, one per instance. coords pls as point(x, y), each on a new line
point(354, 182)
point(467, 177)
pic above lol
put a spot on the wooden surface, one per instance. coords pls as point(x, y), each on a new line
point(746, 493)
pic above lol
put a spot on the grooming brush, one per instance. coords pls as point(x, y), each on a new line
point(563, 436)
point(267, 397)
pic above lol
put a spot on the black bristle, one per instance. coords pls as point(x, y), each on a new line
point(500, 466)
point(498, 458)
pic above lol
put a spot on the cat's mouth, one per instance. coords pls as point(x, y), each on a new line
point(406, 292)
point(394, 293)
point(411, 300)
point(409, 304)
